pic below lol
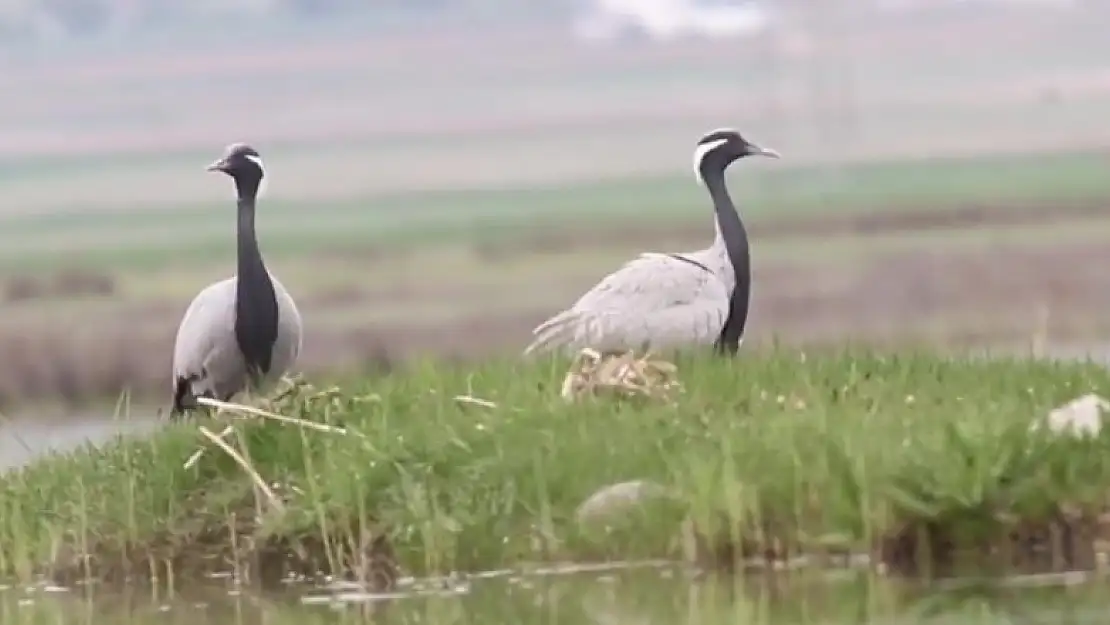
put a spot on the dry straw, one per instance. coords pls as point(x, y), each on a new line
point(259, 483)
point(594, 374)
point(243, 411)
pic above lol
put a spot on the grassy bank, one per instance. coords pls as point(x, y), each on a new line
point(774, 453)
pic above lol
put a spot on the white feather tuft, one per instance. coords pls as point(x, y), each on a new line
point(262, 185)
point(700, 153)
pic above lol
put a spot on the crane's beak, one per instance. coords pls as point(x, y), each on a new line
point(756, 150)
point(217, 165)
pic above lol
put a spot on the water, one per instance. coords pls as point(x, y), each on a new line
point(644, 597)
point(24, 437)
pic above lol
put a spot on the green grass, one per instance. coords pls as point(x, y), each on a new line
point(837, 448)
point(146, 238)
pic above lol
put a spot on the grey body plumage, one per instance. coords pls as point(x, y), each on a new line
point(242, 332)
point(671, 300)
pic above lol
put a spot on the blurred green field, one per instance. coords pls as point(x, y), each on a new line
point(139, 239)
point(966, 251)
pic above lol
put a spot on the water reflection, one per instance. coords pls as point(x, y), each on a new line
point(646, 597)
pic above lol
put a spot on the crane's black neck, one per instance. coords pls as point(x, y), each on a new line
point(735, 238)
point(256, 309)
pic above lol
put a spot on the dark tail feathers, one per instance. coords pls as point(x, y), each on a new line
point(183, 399)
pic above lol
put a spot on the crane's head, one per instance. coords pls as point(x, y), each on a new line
point(239, 159)
point(718, 149)
point(243, 164)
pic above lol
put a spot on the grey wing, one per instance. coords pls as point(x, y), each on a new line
point(656, 300)
point(205, 354)
point(287, 347)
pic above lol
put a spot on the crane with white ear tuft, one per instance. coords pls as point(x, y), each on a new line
point(662, 301)
point(243, 332)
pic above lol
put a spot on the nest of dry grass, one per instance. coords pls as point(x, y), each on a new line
point(624, 376)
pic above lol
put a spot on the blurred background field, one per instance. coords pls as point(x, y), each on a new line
point(442, 177)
